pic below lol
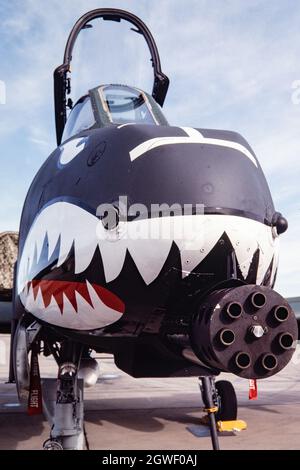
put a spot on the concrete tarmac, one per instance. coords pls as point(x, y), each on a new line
point(126, 413)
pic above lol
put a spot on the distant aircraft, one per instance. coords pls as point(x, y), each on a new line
point(154, 243)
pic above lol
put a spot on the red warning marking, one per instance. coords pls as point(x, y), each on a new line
point(252, 389)
point(35, 389)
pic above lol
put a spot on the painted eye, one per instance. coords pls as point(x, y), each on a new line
point(71, 149)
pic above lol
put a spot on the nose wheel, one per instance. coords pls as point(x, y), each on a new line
point(52, 444)
point(226, 401)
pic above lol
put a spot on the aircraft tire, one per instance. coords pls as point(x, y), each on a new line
point(227, 401)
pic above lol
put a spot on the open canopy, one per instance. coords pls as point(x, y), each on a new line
point(62, 78)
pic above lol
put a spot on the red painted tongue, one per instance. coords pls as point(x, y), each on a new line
point(109, 299)
point(56, 289)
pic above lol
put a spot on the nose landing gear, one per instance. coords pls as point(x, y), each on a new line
point(66, 416)
point(220, 404)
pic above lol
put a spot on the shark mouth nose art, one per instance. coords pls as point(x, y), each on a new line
point(74, 299)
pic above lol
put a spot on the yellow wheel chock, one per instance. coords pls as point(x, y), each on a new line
point(231, 426)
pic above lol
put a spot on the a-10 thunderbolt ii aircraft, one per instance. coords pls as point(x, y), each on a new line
point(154, 243)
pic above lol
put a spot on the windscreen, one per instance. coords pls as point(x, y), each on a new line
point(126, 105)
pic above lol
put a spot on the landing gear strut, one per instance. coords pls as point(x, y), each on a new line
point(67, 431)
point(209, 397)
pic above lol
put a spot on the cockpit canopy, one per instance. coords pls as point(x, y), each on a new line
point(113, 104)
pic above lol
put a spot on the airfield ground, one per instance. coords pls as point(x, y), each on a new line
point(126, 413)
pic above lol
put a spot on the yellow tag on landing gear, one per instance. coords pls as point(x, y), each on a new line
point(231, 426)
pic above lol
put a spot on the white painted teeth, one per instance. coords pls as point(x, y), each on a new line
point(148, 241)
point(64, 223)
point(275, 260)
point(244, 241)
point(53, 235)
point(64, 249)
point(113, 257)
point(202, 233)
point(82, 227)
point(38, 246)
point(156, 252)
point(268, 248)
point(84, 253)
point(39, 299)
point(30, 257)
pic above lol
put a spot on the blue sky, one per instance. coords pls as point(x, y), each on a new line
point(232, 64)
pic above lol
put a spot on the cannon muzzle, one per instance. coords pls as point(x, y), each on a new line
point(248, 330)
